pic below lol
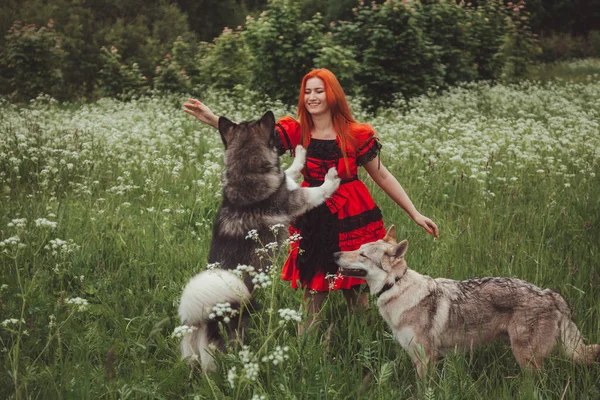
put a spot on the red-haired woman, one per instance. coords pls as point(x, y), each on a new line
point(350, 218)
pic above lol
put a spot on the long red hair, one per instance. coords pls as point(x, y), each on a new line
point(340, 111)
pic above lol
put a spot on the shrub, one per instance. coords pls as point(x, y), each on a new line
point(32, 60)
point(487, 29)
point(170, 76)
point(448, 26)
point(393, 52)
point(283, 48)
point(117, 79)
point(519, 47)
point(224, 64)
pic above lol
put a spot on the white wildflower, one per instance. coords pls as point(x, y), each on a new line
point(45, 223)
point(231, 376)
point(288, 314)
point(213, 265)
point(252, 235)
point(271, 246)
point(262, 280)
point(11, 321)
point(182, 330)
point(79, 303)
point(275, 228)
point(277, 356)
point(242, 269)
point(18, 223)
point(11, 241)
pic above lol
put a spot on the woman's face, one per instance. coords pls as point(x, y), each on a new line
point(315, 99)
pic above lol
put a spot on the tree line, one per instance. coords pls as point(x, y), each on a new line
point(83, 49)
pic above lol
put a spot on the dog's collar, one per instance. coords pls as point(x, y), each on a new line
point(387, 287)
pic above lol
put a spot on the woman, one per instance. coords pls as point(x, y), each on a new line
point(350, 217)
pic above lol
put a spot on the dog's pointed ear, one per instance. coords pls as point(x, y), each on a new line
point(390, 236)
point(226, 129)
point(398, 251)
point(267, 122)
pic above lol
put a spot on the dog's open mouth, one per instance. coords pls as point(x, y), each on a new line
point(352, 272)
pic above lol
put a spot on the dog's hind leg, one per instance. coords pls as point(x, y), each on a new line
point(523, 342)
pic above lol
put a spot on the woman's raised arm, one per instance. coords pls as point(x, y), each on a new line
point(202, 112)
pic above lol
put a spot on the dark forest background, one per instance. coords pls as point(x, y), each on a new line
point(85, 49)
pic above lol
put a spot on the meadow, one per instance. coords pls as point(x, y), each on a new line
point(106, 211)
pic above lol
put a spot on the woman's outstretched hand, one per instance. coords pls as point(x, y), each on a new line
point(202, 112)
point(427, 224)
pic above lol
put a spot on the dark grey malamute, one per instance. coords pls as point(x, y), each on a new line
point(257, 195)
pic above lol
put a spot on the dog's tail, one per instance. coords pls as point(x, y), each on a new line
point(572, 342)
point(203, 292)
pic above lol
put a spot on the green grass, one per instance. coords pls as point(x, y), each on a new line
point(509, 173)
point(584, 70)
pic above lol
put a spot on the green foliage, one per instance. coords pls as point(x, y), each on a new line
point(185, 52)
point(170, 76)
point(519, 47)
point(448, 26)
point(283, 48)
point(32, 60)
point(562, 47)
point(508, 172)
point(394, 54)
point(80, 43)
point(487, 30)
point(379, 51)
point(225, 64)
point(339, 59)
point(118, 79)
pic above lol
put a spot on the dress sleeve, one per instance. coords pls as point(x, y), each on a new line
point(286, 134)
point(368, 148)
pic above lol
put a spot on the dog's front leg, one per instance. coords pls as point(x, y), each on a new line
point(293, 172)
point(307, 198)
point(424, 361)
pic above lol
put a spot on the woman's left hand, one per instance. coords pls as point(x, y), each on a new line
point(427, 224)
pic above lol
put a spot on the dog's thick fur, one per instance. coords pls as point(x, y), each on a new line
point(257, 194)
point(430, 317)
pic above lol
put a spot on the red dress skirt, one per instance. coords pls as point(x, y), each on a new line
point(348, 219)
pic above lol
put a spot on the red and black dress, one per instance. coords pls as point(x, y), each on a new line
point(348, 219)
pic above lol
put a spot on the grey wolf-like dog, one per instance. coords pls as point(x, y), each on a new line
point(257, 194)
point(430, 317)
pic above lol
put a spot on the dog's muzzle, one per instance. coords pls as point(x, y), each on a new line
point(352, 272)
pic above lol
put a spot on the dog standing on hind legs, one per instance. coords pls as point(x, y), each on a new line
point(430, 317)
point(257, 194)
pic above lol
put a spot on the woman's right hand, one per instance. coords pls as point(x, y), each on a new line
point(202, 112)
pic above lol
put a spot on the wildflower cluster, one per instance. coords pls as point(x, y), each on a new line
point(251, 367)
point(213, 265)
point(61, 246)
point(292, 239)
point(252, 235)
point(79, 303)
point(275, 228)
point(11, 321)
point(182, 330)
point(242, 269)
point(17, 223)
point(277, 356)
point(45, 223)
point(223, 312)
point(12, 241)
point(262, 280)
point(287, 314)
